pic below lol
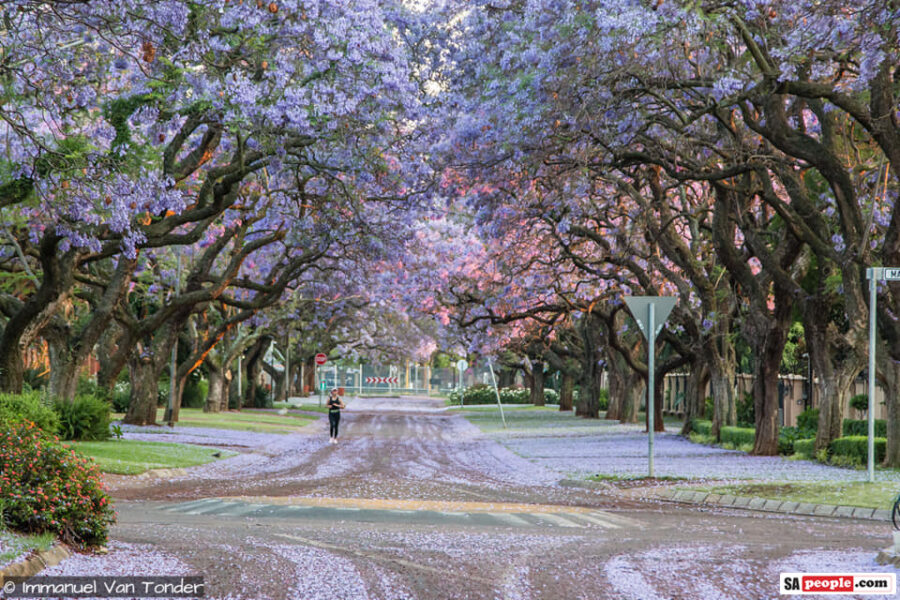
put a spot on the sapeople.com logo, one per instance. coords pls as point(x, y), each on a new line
point(843, 583)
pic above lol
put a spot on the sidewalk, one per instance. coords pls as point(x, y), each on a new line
point(670, 494)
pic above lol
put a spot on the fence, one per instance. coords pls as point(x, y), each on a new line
point(408, 378)
point(792, 395)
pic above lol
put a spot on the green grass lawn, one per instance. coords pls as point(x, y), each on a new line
point(496, 409)
point(132, 457)
point(249, 420)
point(880, 494)
point(14, 545)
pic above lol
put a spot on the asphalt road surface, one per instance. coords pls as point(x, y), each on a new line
point(417, 503)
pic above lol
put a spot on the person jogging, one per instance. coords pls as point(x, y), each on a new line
point(335, 404)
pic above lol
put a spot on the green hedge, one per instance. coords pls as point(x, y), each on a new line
point(854, 427)
point(701, 426)
point(738, 436)
point(808, 420)
point(28, 407)
point(805, 447)
point(856, 448)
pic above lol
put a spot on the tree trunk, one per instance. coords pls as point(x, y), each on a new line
point(765, 393)
point(566, 392)
point(216, 389)
point(63, 369)
point(253, 368)
point(588, 404)
point(695, 395)
point(615, 393)
point(889, 369)
point(106, 349)
point(721, 383)
point(834, 388)
point(634, 393)
point(537, 383)
point(658, 423)
point(144, 391)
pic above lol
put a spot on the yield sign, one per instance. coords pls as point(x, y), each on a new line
point(639, 307)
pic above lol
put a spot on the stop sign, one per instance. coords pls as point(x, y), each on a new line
point(321, 359)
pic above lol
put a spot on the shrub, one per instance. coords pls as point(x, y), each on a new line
point(861, 427)
point(551, 396)
point(48, 488)
point(708, 408)
point(603, 398)
point(36, 379)
point(860, 402)
point(805, 447)
point(737, 436)
point(855, 449)
point(28, 407)
point(262, 398)
point(701, 426)
point(787, 437)
point(121, 397)
point(84, 418)
point(510, 395)
point(162, 394)
point(195, 392)
point(808, 420)
point(746, 411)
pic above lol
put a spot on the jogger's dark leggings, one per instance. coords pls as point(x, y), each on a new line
point(334, 418)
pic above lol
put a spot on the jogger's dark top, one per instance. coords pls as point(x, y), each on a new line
point(334, 416)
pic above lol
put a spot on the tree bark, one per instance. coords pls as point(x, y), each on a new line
point(144, 391)
point(889, 372)
point(721, 383)
point(695, 395)
point(216, 389)
point(634, 392)
point(616, 392)
point(765, 391)
point(566, 392)
point(537, 383)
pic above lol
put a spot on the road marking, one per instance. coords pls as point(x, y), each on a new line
point(557, 520)
point(369, 510)
point(511, 519)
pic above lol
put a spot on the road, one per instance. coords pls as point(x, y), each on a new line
point(417, 503)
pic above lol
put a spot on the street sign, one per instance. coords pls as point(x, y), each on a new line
point(874, 274)
point(461, 365)
point(649, 311)
point(382, 380)
point(321, 359)
point(322, 386)
point(662, 306)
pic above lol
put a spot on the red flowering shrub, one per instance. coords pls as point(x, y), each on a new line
point(46, 487)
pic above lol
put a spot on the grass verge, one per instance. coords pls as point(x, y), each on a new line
point(133, 457)
point(258, 421)
point(15, 545)
point(880, 494)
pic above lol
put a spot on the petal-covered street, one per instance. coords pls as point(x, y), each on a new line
point(417, 502)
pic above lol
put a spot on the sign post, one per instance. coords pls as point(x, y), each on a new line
point(874, 275)
point(320, 359)
point(496, 391)
point(461, 366)
point(650, 312)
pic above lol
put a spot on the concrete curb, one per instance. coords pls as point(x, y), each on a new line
point(36, 563)
point(768, 505)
